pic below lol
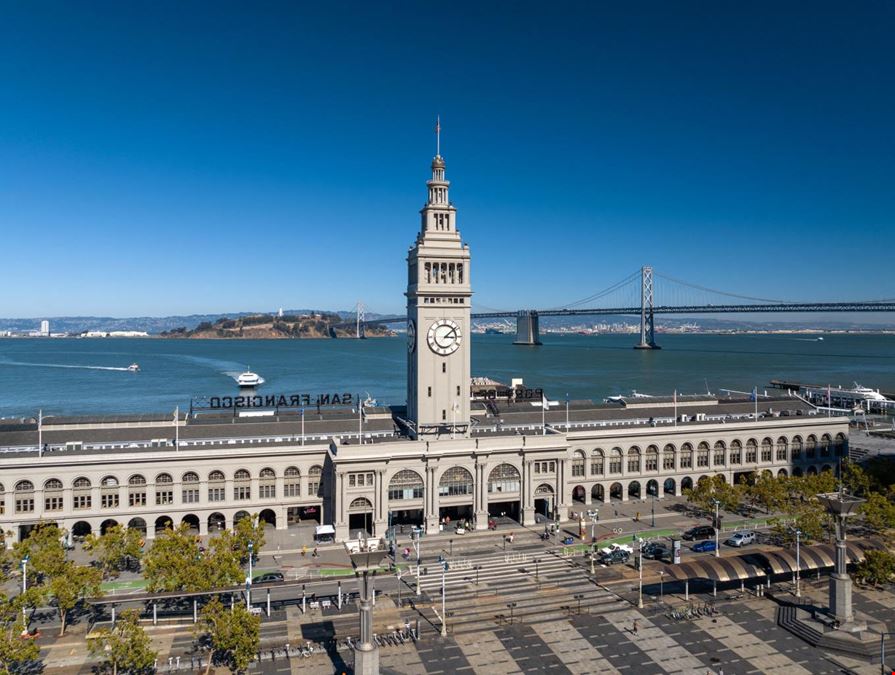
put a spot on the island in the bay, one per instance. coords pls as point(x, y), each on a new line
point(275, 326)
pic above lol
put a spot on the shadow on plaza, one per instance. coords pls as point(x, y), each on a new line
point(324, 632)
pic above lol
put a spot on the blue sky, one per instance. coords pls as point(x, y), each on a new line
point(169, 157)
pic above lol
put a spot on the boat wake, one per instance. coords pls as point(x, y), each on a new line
point(63, 365)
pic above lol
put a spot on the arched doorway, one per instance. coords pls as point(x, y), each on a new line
point(669, 486)
point(504, 492)
point(268, 517)
point(163, 523)
point(406, 491)
point(812, 470)
point(360, 516)
point(456, 491)
point(826, 468)
point(797, 472)
point(634, 489)
point(782, 473)
point(544, 500)
point(81, 529)
point(686, 483)
point(216, 522)
point(652, 488)
point(616, 491)
point(137, 524)
point(241, 515)
point(106, 525)
point(192, 522)
point(579, 494)
point(597, 492)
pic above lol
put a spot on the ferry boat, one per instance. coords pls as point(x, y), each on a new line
point(134, 367)
point(843, 396)
point(249, 379)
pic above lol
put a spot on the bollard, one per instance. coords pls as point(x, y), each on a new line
point(340, 595)
point(268, 603)
point(113, 614)
point(155, 614)
point(195, 611)
point(687, 590)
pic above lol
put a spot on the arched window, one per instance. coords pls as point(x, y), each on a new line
point(736, 452)
point(781, 449)
point(718, 454)
point(810, 447)
point(702, 454)
point(314, 476)
point(504, 478)
point(578, 460)
point(766, 449)
point(108, 496)
point(216, 486)
point(841, 445)
point(24, 496)
point(596, 462)
point(360, 504)
point(164, 489)
point(455, 482)
point(686, 456)
point(405, 484)
point(52, 495)
point(136, 490)
point(615, 460)
point(634, 460)
point(267, 484)
point(242, 485)
point(652, 459)
point(81, 493)
point(668, 457)
point(190, 487)
point(796, 449)
point(292, 482)
point(751, 451)
point(825, 443)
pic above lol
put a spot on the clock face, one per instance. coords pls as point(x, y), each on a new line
point(411, 335)
point(444, 337)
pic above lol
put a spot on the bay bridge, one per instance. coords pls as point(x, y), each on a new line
point(637, 295)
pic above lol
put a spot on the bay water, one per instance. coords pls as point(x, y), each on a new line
point(89, 376)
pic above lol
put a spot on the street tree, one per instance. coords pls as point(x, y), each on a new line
point(178, 562)
point(16, 652)
point(856, 481)
point(44, 549)
point(234, 635)
point(879, 512)
point(707, 490)
point(115, 548)
point(877, 568)
point(70, 586)
point(125, 646)
point(245, 531)
point(767, 491)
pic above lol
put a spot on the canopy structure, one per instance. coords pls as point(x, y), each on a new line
point(814, 557)
point(324, 530)
point(715, 569)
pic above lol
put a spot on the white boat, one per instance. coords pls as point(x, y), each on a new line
point(843, 396)
point(249, 379)
point(134, 367)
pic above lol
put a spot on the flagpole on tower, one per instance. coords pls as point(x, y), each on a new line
point(438, 136)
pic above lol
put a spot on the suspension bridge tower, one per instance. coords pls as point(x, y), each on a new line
point(647, 325)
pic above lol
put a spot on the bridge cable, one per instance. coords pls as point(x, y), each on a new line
point(600, 294)
point(712, 290)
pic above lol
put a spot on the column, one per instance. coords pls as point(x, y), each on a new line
point(481, 487)
point(564, 494)
point(431, 515)
point(380, 504)
point(340, 519)
point(528, 501)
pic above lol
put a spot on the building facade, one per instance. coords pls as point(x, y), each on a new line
point(443, 457)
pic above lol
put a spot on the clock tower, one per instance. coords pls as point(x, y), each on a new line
point(438, 306)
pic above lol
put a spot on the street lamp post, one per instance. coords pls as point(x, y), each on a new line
point(366, 556)
point(653, 511)
point(798, 564)
point(511, 605)
point(451, 542)
point(661, 586)
point(417, 547)
point(841, 505)
point(640, 577)
point(249, 578)
point(717, 529)
point(537, 572)
point(444, 569)
point(24, 589)
point(882, 653)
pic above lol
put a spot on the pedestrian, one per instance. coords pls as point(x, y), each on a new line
point(315, 552)
point(634, 627)
point(304, 551)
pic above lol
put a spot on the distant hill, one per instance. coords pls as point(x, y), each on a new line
point(154, 325)
point(271, 326)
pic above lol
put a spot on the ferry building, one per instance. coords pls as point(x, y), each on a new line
point(459, 448)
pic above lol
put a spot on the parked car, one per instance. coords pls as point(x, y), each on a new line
point(741, 539)
point(460, 530)
point(704, 546)
point(700, 532)
point(613, 557)
point(616, 547)
point(267, 577)
point(657, 552)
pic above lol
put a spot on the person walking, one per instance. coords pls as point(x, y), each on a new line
point(634, 627)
